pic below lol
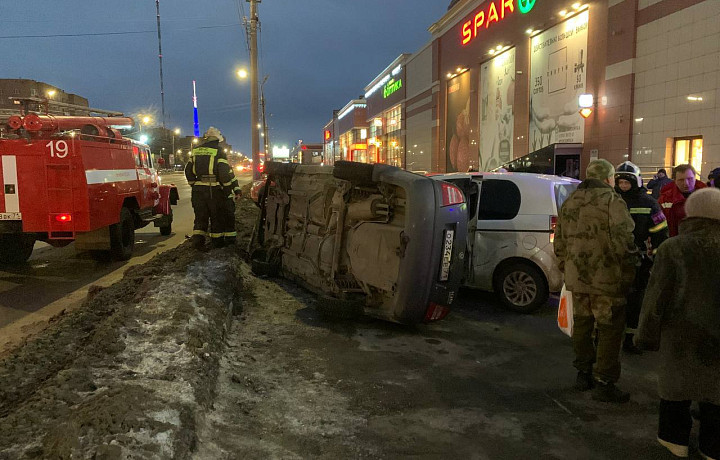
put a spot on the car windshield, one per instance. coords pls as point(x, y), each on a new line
point(562, 192)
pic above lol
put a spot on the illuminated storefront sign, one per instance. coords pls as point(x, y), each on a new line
point(495, 12)
point(391, 87)
point(383, 81)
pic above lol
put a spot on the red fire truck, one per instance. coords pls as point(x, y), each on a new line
point(70, 178)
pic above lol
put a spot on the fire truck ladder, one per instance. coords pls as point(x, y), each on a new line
point(27, 102)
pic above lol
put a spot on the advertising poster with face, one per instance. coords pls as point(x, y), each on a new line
point(457, 127)
point(558, 63)
point(497, 96)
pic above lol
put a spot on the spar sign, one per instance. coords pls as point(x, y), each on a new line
point(494, 12)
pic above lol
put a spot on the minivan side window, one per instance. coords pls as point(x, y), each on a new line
point(499, 200)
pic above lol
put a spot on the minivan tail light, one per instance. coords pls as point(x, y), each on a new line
point(436, 312)
point(451, 195)
point(553, 225)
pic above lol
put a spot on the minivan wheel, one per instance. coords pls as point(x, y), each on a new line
point(521, 287)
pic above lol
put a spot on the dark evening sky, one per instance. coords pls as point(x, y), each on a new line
point(318, 54)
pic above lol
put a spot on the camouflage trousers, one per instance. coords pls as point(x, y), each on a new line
point(608, 315)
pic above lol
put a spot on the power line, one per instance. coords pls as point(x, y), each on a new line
point(99, 34)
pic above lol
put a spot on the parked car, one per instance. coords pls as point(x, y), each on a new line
point(371, 239)
point(511, 223)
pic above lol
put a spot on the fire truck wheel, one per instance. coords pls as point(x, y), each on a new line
point(122, 236)
point(16, 249)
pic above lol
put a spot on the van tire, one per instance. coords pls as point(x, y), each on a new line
point(15, 249)
point(122, 236)
point(521, 287)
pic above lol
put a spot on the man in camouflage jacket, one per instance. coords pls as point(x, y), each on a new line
point(595, 246)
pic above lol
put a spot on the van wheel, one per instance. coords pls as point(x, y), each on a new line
point(122, 236)
point(15, 249)
point(521, 287)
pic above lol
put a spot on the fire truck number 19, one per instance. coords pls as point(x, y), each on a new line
point(58, 149)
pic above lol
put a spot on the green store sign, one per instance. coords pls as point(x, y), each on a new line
point(391, 87)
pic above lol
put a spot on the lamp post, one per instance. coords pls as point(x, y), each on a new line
point(176, 132)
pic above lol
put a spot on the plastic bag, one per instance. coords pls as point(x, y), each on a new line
point(565, 312)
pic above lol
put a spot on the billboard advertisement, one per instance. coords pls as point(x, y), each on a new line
point(558, 63)
point(459, 154)
point(497, 97)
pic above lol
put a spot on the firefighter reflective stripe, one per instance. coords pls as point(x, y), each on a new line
point(228, 184)
point(206, 151)
point(640, 211)
point(10, 182)
point(216, 235)
point(659, 227)
point(230, 234)
point(207, 184)
point(200, 232)
point(223, 160)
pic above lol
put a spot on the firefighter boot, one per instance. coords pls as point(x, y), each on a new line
point(217, 243)
point(197, 242)
point(230, 241)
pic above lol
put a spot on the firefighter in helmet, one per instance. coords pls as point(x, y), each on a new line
point(650, 226)
point(212, 181)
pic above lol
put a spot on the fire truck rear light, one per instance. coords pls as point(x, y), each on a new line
point(451, 195)
point(436, 312)
point(63, 217)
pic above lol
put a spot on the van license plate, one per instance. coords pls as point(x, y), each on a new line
point(447, 254)
point(10, 216)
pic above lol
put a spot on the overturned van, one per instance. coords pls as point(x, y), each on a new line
point(371, 239)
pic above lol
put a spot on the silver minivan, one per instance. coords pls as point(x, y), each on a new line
point(511, 223)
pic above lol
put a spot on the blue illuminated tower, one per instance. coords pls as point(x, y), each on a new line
point(195, 114)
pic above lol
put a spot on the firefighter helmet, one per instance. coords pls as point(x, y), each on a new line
point(630, 172)
point(213, 134)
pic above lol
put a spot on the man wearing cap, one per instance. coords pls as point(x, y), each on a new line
point(212, 180)
point(650, 225)
point(658, 181)
point(596, 250)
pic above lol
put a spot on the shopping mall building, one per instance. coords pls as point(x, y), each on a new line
point(500, 82)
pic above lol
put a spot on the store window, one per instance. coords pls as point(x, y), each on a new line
point(688, 150)
point(394, 121)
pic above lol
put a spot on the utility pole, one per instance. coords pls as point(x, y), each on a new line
point(254, 130)
point(266, 139)
point(162, 88)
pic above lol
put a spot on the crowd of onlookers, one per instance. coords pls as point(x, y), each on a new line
point(642, 268)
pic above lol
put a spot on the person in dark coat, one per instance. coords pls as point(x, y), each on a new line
point(714, 178)
point(650, 226)
point(681, 317)
point(658, 181)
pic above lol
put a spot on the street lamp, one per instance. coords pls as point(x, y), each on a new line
point(242, 73)
point(51, 93)
point(176, 132)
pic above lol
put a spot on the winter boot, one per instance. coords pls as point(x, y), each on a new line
point(230, 241)
point(197, 242)
point(629, 347)
point(584, 381)
point(608, 392)
point(217, 243)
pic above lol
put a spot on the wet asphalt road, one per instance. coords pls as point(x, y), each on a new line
point(59, 276)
